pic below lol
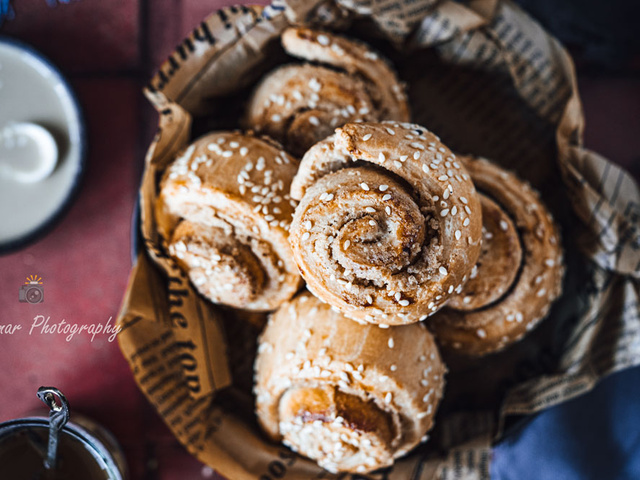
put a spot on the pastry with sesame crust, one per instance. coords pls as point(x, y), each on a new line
point(224, 210)
point(519, 272)
point(300, 104)
point(351, 397)
point(389, 223)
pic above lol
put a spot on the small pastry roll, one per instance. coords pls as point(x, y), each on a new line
point(519, 272)
point(389, 222)
point(300, 104)
point(224, 212)
point(351, 397)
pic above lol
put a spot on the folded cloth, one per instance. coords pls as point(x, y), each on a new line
point(595, 436)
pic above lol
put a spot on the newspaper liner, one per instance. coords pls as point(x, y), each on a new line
point(488, 80)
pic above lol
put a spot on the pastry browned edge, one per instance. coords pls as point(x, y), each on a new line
point(519, 272)
point(351, 397)
point(224, 212)
point(300, 104)
point(389, 223)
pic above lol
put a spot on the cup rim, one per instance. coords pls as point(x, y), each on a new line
point(47, 226)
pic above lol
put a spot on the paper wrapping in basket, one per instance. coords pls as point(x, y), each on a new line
point(491, 82)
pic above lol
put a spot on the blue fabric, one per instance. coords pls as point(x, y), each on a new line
point(593, 437)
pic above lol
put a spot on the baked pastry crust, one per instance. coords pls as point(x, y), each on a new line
point(519, 272)
point(389, 223)
point(300, 104)
point(224, 211)
point(352, 397)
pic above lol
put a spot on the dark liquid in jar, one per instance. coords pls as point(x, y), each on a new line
point(22, 455)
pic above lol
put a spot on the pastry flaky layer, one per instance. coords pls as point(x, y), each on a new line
point(351, 397)
point(300, 104)
point(389, 223)
point(519, 272)
point(224, 211)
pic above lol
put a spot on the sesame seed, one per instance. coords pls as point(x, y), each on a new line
point(442, 270)
point(443, 213)
point(387, 210)
point(307, 224)
point(454, 210)
point(276, 118)
point(393, 368)
point(227, 153)
point(366, 137)
point(383, 188)
point(386, 197)
point(397, 164)
point(323, 40)
point(391, 343)
point(541, 292)
point(346, 244)
point(458, 234)
point(372, 223)
point(425, 168)
point(446, 194)
point(443, 178)
point(305, 236)
point(381, 157)
point(464, 200)
point(504, 226)
point(549, 262)
point(364, 186)
point(466, 222)
point(404, 303)
point(467, 209)
point(387, 398)
point(403, 158)
point(390, 131)
point(314, 121)
point(481, 333)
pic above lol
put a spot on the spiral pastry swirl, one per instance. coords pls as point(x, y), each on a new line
point(389, 222)
point(224, 212)
point(351, 397)
point(519, 272)
point(300, 104)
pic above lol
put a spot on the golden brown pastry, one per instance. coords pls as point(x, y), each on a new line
point(389, 222)
point(300, 104)
point(351, 397)
point(224, 211)
point(519, 272)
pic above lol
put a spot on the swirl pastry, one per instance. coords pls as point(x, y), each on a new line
point(389, 222)
point(224, 211)
point(351, 397)
point(519, 272)
point(302, 104)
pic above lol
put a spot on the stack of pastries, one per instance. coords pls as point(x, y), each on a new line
point(404, 248)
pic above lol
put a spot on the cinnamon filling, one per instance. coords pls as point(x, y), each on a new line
point(499, 262)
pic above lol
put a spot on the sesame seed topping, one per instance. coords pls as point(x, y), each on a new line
point(404, 303)
point(446, 194)
point(364, 186)
point(481, 333)
point(346, 244)
point(390, 131)
point(323, 40)
point(397, 164)
point(391, 343)
point(314, 121)
point(370, 210)
point(467, 209)
point(393, 368)
point(466, 222)
point(442, 270)
point(366, 137)
point(443, 178)
point(383, 188)
point(504, 226)
point(276, 118)
point(383, 325)
point(305, 236)
point(372, 223)
point(386, 197)
point(454, 210)
point(458, 234)
point(549, 262)
point(381, 157)
point(387, 210)
point(403, 158)
point(541, 292)
point(443, 213)
point(425, 168)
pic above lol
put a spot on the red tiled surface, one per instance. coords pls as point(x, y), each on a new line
point(85, 260)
